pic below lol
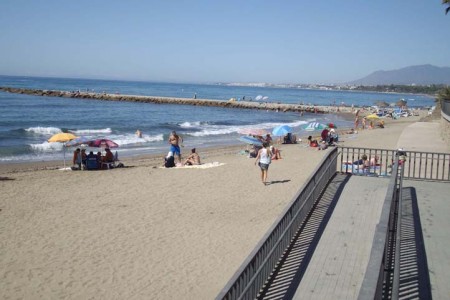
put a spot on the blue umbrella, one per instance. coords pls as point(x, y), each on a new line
point(281, 130)
point(78, 141)
point(250, 140)
point(314, 126)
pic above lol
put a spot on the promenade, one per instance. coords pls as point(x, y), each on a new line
point(338, 264)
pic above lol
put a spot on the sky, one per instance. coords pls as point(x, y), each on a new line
point(211, 41)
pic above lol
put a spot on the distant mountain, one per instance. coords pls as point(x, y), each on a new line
point(419, 75)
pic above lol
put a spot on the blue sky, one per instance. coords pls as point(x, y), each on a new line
point(221, 41)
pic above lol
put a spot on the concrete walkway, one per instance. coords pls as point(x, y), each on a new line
point(423, 136)
point(434, 209)
point(339, 262)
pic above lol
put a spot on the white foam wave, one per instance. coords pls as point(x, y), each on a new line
point(44, 130)
point(47, 147)
point(190, 124)
point(223, 129)
point(91, 131)
point(132, 139)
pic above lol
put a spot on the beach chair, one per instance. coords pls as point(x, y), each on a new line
point(91, 163)
point(111, 164)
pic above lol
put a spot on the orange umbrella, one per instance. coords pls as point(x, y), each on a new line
point(62, 137)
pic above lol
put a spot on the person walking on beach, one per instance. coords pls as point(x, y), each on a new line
point(263, 159)
point(175, 140)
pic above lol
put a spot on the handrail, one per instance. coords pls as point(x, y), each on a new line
point(417, 165)
point(445, 109)
point(380, 260)
point(248, 280)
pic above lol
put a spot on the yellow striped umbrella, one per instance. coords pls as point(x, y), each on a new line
point(62, 137)
point(372, 116)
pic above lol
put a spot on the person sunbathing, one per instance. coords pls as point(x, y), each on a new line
point(276, 154)
point(193, 158)
point(311, 142)
point(362, 163)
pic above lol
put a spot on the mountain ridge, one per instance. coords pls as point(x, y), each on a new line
point(418, 75)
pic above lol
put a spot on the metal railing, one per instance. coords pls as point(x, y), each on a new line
point(254, 272)
point(445, 109)
point(381, 261)
point(417, 165)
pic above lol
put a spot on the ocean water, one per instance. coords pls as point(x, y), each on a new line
point(27, 122)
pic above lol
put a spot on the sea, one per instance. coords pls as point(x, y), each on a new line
point(27, 121)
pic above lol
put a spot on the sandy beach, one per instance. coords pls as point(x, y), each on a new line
point(144, 232)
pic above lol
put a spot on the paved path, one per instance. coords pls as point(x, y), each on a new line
point(338, 265)
point(339, 262)
point(423, 136)
point(434, 209)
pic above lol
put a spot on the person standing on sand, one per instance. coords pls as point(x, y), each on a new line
point(263, 159)
point(175, 140)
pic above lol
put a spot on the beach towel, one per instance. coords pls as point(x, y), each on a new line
point(201, 166)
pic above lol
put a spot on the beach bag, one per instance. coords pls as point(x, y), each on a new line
point(170, 162)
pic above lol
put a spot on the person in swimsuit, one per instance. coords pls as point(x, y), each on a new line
point(263, 159)
point(193, 158)
point(175, 140)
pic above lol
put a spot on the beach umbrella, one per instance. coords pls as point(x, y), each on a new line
point(81, 140)
point(382, 104)
point(331, 125)
point(250, 140)
point(253, 131)
point(62, 137)
point(312, 126)
point(401, 103)
point(102, 143)
point(281, 130)
point(372, 117)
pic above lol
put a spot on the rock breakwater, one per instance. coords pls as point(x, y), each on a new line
point(169, 100)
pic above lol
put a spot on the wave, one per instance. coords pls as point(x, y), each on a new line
point(208, 130)
point(191, 124)
point(44, 130)
point(91, 131)
point(132, 139)
point(47, 147)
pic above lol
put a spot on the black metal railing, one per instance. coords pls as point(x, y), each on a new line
point(378, 279)
point(445, 109)
point(254, 272)
point(416, 165)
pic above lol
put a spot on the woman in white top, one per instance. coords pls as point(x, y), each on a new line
point(263, 159)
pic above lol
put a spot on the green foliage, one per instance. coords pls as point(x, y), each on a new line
point(444, 94)
point(432, 89)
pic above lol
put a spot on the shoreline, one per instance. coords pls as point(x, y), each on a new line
point(97, 234)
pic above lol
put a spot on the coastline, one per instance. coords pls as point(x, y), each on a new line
point(182, 101)
point(145, 231)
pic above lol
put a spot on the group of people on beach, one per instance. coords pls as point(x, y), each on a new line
point(91, 161)
point(175, 142)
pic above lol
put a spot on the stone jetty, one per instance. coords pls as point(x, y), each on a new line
point(169, 100)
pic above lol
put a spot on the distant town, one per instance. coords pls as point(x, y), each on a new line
point(431, 90)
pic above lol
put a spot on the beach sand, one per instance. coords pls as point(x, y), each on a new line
point(143, 232)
